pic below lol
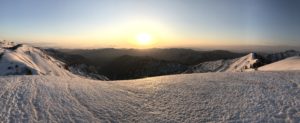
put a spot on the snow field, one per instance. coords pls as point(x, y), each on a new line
point(205, 97)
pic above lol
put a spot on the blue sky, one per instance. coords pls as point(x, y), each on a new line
point(112, 23)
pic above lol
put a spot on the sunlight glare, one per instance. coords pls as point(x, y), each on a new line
point(143, 38)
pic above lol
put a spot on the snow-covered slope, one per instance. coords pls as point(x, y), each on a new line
point(26, 60)
point(292, 63)
point(246, 63)
point(206, 97)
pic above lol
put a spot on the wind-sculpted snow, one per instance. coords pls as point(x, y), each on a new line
point(206, 97)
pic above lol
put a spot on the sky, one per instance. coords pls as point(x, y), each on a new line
point(169, 23)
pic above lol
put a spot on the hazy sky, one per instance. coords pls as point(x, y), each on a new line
point(171, 23)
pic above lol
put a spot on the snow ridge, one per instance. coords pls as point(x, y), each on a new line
point(246, 63)
point(22, 59)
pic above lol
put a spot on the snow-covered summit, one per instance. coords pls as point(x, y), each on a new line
point(20, 59)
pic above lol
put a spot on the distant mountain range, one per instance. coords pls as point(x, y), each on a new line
point(184, 56)
point(122, 64)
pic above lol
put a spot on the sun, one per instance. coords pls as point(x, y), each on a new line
point(143, 38)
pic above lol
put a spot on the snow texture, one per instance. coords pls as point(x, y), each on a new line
point(205, 97)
